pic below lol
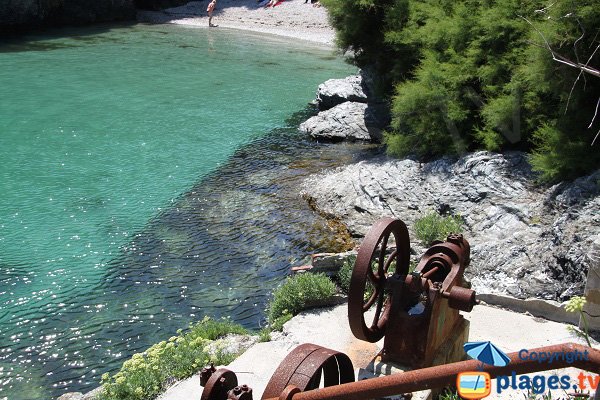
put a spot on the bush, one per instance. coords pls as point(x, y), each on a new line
point(344, 275)
point(298, 293)
point(435, 227)
point(464, 75)
point(146, 374)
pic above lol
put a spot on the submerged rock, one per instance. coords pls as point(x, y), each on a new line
point(526, 241)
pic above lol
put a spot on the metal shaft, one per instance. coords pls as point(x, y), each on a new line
point(445, 375)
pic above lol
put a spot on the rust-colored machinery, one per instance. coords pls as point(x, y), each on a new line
point(418, 314)
point(305, 368)
point(427, 378)
point(418, 311)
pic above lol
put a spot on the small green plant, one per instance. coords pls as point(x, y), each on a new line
point(264, 335)
point(146, 374)
point(575, 304)
point(448, 394)
point(277, 324)
point(532, 395)
point(344, 275)
point(298, 293)
point(433, 226)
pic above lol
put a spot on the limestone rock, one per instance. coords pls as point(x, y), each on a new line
point(330, 263)
point(526, 241)
point(231, 344)
point(92, 395)
point(71, 396)
point(349, 120)
point(337, 91)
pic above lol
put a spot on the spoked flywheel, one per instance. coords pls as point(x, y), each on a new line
point(370, 275)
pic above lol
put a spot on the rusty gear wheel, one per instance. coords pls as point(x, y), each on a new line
point(217, 386)
point(303, 367)
point(371, 267)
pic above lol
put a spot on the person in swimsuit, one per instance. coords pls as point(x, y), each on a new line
point(209, 10)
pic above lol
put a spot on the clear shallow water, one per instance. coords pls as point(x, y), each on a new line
point(148, 177)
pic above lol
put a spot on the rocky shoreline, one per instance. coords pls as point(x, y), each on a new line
point(526, 240)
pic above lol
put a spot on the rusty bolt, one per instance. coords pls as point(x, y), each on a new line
point(206, 373)
point(242, 392)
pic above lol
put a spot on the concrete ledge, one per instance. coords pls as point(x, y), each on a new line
point(547, 309)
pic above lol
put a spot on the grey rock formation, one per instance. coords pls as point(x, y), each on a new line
point(231, 344)
point(23, 15)
point(349, 111)
point(71, 396)
point(346, 121)
point(337, 91)
point(526, 241)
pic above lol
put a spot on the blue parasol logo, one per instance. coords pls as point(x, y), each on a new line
point(487, 353)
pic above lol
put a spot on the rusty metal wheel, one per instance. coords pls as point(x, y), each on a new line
point(370, 274)
point(217, 386)
point(305, 365)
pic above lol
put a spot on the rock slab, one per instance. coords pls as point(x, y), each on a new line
point(526, 241)
point(346, 121)
point(337, 91)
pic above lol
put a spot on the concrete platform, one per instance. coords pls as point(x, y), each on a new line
point(328, 327)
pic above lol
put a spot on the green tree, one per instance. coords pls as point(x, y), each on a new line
point(463, 75)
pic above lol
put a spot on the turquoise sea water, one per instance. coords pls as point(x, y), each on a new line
point(148, 177)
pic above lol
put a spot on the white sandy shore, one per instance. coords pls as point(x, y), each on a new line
point(291, 18)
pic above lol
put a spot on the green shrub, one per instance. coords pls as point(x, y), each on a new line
point(264, 335)
point(277, 323)
point(433, 226)
point(449, 394)
point(146, 374)
point(345, 274)
point(299, 292)
point(463, 75)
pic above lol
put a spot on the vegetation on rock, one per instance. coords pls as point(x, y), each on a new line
point(433, 226)
point(297, 293)
point(148, 373)
point(483, 74)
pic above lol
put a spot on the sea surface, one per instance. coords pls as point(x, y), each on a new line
point(149, 176)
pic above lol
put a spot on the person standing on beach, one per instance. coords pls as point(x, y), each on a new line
point(209, 10)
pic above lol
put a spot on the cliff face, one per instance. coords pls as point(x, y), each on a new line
point(23, 15)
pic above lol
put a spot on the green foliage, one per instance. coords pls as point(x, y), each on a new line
point(472, 74)
point(448, 394)
point(344, 275)
point(146, 374)
point(277, 323)
point(297, 293)
point(264, 335)
point(433, 226)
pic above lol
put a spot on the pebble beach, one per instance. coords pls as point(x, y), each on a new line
point(290, 18)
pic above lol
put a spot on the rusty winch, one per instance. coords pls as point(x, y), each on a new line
point(418, 311)
point(418, 314)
